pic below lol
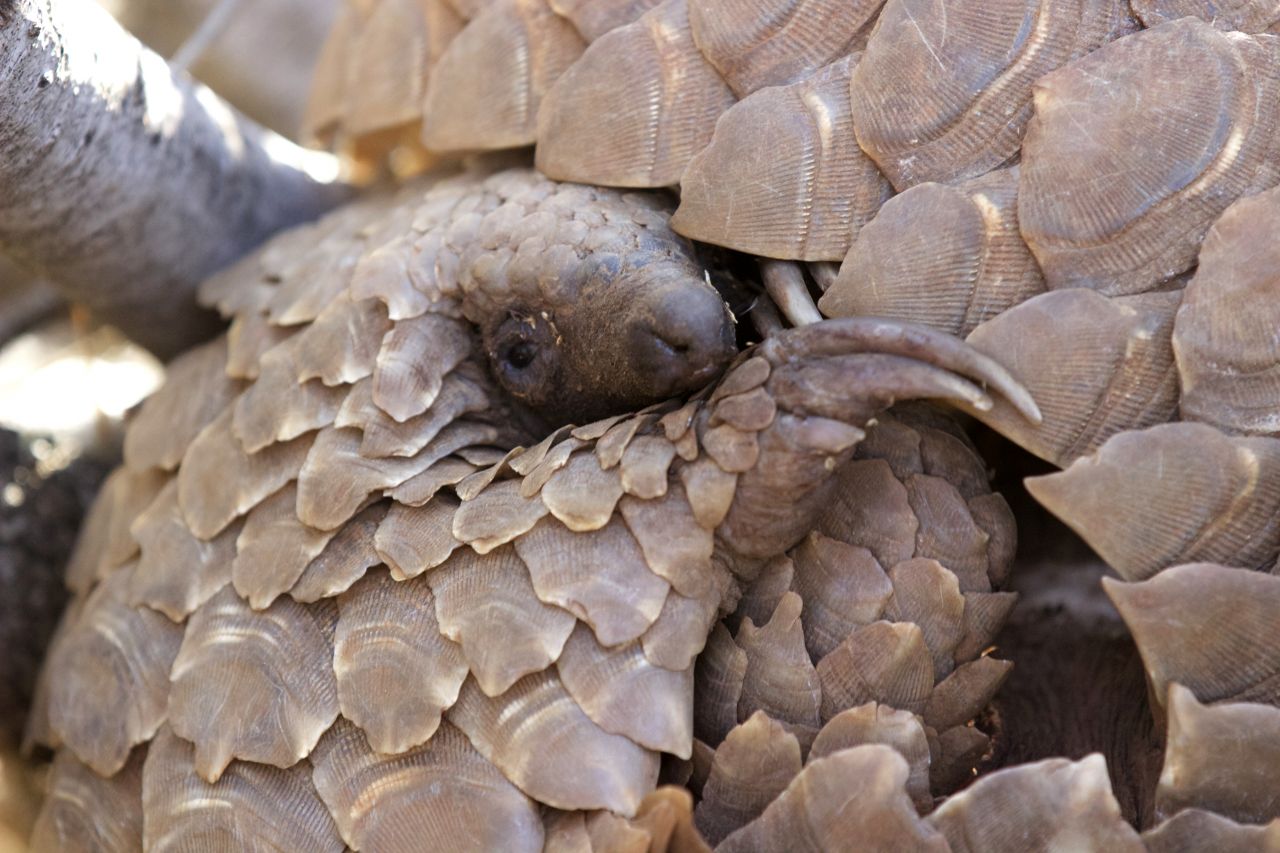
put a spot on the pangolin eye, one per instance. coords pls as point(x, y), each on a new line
point(520, 355)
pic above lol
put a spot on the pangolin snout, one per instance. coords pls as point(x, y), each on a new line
point(684, 341)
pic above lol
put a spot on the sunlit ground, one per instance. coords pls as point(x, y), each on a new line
point(72, 385)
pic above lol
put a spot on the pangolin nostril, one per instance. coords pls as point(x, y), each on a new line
point(683, 340)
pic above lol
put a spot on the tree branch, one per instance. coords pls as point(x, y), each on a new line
point(126, 183)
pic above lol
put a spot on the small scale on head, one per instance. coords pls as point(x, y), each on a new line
point(587, 303)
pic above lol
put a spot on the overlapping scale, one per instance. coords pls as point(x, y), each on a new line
point(813, 813)
point(415, 357)
point(752, 766)
point(1248, 16)
point(676, 548)
point(883, 662)
point(344, 560)
point(389, 62)
point(843, 588)
point(754, 43)
point(601, 577)
point(1209, 628)
point(950, 257)
point(632, 111)
point(105, 543)
point(442, 795)
point(108, 676)
point(782, 175)
point(218, 481)
point(1219, 503)
point(85, 811)
point(485, 91)
point(336, 478)
point(395, 670)
point(943, 91)
point(626, 694)
point(169, 420)
point(1179, 119)
point(873, 723)
point(177, 572)
point(594, 18)
point(274, 548)
point(1192, 830)
point(780, 679)
point(1223, 758)
point(250, 807)
point(254, 685)
point(544, 743)
point(1049, 805)
point(1096, 366)
point(487, 605)
point(1224, 336)
point(277, 407)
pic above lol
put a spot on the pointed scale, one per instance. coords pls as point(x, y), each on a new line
point(218, 481)
point(252, 807)
point(344, 560)
point(1192, 830)
point(441, 796)
point(943, 91)
point(780, 679)
point(1223, 758)
point(883, 662)
point(783, 175)
point(813, 814)
point(254, 685)
point(843, 588)
point(1178, 493)
point(950, 257)
point(1210, 628)
point(485, 91)
point(635, 107)
point(1044, 806)
point(873, 723)
point(274, 548)
point(1095, 366)
point(1225, 336)
point(1156, 134)
point(754, 764)
point(105, 542)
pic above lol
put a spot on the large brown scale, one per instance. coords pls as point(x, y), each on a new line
point(1083, 189)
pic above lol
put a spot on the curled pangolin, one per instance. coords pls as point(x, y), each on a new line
point(1085, 189)
point(326, 577)
point(1108, 353)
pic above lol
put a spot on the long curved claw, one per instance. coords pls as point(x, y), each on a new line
point(822, 387)
point(924, 346)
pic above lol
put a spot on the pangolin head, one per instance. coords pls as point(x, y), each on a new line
point(587, 303)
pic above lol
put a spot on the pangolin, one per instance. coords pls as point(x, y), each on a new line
point(1084, 189)
point(358, 584)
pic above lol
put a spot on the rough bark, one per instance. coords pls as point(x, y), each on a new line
point(126, 183)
